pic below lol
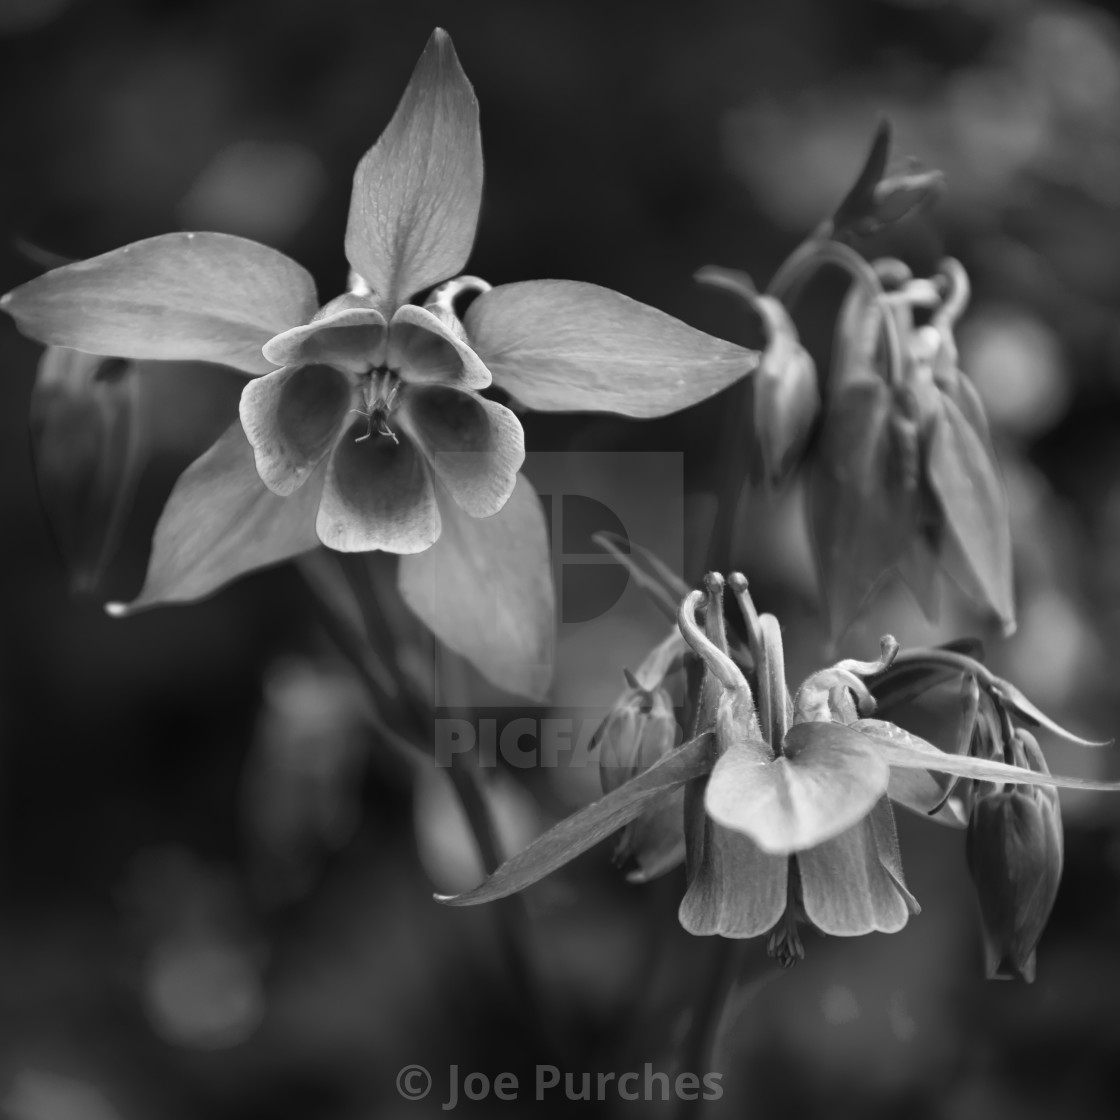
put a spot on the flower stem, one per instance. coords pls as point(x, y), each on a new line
point(394, 702)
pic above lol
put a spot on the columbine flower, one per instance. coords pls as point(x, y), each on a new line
point(794, 824)
point(365, 422)
point(787, 800)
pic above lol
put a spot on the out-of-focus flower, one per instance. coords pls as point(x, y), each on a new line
point(86, 444)
point(904, 472)
point(639, 731)
point(1015, 850)
point(878, 198)
point(786, 397)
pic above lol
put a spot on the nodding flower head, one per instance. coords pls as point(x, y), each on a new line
point(793, 824)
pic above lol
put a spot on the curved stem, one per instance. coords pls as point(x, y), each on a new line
point(801, 265)
point(950, 659)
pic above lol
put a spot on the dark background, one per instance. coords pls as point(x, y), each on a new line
point(211, 898)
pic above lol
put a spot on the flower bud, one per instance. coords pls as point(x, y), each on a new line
point(877, 198)
point(639, 731)
point(1014, 852)
point(786, 397)
point(85, 445)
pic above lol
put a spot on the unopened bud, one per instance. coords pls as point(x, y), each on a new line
point(85, 445)
point(786, 397)
point(1014, 852)
point(639, 731)
point(878, 198)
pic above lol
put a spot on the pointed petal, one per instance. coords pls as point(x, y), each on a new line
point(862, 503)
point(417, 191)
point(352, 339)
point(425, 349)
point(734, 889)
point(560, 345)
point(292, 418)
point(485, 590)
point(845, 889)
point(220, 522)
point(922, 792)
point(901, 749)
point(828, 779)
point(204, 296)
point(575, 834)
point(1029, 713)
point(378, 494)
point(977, 533)
point(475, 446)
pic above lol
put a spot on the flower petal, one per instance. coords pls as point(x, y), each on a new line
point(378, 495)
point(423, 348)
point(828, 779)
point(220, 522)
point(977, 539)
point(846, 890)
point(734, 888)
point(292, 418)
point(475, 446)
point(352, 339)
point(560, 345)
point(922, 792)
point(575, 834)
point(204, 296)
point(901, 749)
point(417, 191)
point(485, 590)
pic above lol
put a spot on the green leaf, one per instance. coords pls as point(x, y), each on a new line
point(485, 590)
point(905, 751)
point(417, 191)
point(575, 834)
point(828, 778)
point(197, 296)
point(561, 345)
point(220, 522)
point(977, 533)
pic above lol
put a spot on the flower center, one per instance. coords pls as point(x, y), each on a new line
point(380, 391)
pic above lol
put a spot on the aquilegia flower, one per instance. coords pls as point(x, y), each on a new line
point(787, 800)
point(363, 427)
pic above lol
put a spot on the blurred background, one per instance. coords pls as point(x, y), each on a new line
point(215, 879)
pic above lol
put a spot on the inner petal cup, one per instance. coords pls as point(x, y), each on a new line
point(378, 495)
point(292, 418)
point(423, 349)
point(353, 340)
point(475, 446)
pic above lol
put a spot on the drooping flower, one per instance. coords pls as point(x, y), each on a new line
point(787, 800)
point(1015, 850)
point(364, 427)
